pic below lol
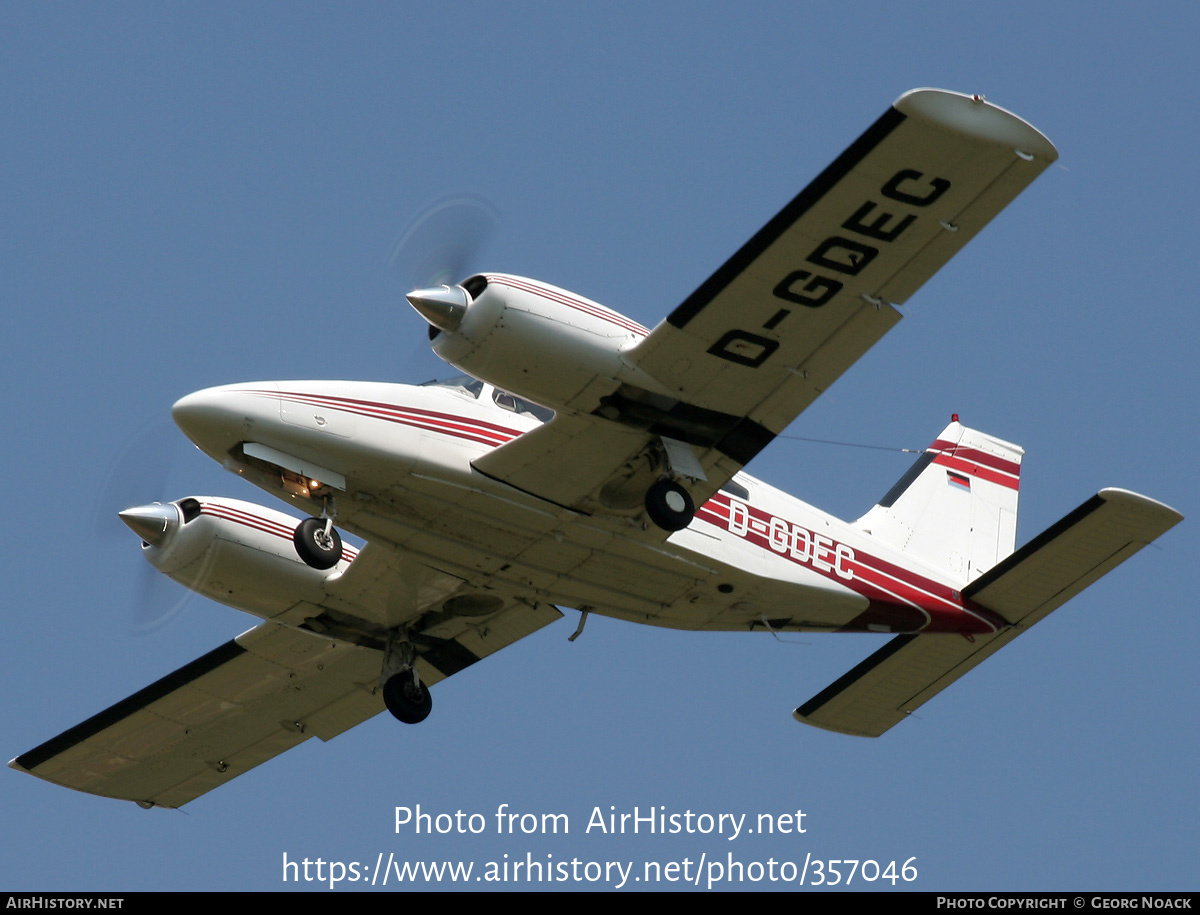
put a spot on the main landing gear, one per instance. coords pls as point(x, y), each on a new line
point(405, 696)
point(669, 505)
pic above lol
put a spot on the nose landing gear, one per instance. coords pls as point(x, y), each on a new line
point(317, 540)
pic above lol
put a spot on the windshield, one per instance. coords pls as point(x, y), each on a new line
point(504, 400)
point(470, 385)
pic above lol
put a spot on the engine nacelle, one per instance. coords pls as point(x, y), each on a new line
point(235, 552)
point(540, 342)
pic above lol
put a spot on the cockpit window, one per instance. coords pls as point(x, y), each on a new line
point(474, 388)
point(515, 404)
point(469, 385)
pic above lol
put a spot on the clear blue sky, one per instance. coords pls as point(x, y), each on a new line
point(195, 195)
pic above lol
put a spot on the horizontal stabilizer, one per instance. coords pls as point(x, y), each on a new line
point(1035, 580)
point(1068, 556)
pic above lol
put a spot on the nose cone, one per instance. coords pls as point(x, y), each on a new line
point(202, 413)
point(153, 523)
point(443, 306)
point(216, 419)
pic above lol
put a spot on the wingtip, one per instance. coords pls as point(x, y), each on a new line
point(974, 116)
point(1166, 515)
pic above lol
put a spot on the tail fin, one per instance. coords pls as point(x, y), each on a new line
point(955, 511)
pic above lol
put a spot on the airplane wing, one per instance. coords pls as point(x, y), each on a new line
point(1024, 588)
point(245, 702)
point(803, 299)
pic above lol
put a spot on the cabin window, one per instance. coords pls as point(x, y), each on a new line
point(515, 404)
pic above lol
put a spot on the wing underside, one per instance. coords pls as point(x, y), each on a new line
point(215, 718)
point(245, 702)
point(799, 303)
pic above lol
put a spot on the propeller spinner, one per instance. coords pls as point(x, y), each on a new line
point(442, 306)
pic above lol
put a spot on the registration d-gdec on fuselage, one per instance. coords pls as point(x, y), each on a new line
point(583, 461)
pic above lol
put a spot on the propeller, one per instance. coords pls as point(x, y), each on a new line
point(137, 476)
point(439, 248)
point(139, 470)
point(442, 243)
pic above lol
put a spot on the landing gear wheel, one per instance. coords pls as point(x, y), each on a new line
point(669, 505)
point(314, 546)
point(407, 701)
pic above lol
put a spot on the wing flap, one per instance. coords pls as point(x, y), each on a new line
point(1034, 581)
point(464, 641)
point(829, 361)
point(564, 460)
point(507, 627)
point(587, 463)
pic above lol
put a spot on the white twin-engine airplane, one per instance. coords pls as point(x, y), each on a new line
point(584, 461)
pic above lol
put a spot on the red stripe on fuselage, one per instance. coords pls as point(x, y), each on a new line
point(475, 430)
point(901, 599)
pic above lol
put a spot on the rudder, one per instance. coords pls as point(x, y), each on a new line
point(955, 510)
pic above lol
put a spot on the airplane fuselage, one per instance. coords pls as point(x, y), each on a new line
point(401, 459)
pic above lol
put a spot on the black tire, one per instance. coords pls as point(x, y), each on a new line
point(669, 505)
point(407, 703)
point(314, 547)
